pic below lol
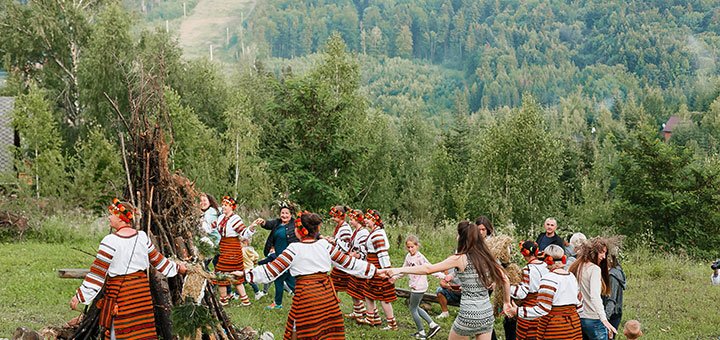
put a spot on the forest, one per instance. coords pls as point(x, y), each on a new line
point(427, 110)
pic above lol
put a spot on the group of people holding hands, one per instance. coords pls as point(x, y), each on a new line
point(555, 300)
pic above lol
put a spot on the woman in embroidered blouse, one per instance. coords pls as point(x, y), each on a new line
point(315, 311)
point(122, 259)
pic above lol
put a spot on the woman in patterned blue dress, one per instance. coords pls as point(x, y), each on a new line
point(475, 318)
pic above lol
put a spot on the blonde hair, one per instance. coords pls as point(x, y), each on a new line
point(577, 239)
point(414, 239)
point(556, 253)
point(632, 329)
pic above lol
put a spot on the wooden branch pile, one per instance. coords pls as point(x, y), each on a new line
point(165, 200)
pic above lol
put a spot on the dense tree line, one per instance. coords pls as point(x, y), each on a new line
point(506, 48)
point(314, 131)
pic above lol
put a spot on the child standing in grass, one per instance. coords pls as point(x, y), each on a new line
point(418, 287)
point(250, 258)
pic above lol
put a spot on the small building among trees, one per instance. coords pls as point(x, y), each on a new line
point(8, 136)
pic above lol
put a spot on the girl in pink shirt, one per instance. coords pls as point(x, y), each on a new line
point(418, 287)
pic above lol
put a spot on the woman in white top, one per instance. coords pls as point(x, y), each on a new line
point(527, 290)
point(211, 211)
point(593, 277)
point(231, 228)
point(558, 301)
point(315, 311)
point(126, 308)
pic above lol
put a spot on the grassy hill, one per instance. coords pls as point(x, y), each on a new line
point(208, 24)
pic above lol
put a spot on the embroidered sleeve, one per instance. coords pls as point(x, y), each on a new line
point(520, 290)
point(362, 246)
point(269, 272)
point(238, 225)
point(342, 238)
point(381, 248)
point(95, 279)
point(350, 264)
point(160, 262)
point(546, 294)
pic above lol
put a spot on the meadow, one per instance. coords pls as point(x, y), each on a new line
point(670, 294)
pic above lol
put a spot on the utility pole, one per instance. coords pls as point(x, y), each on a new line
point(211, 52)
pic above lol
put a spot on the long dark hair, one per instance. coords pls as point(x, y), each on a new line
point(589, 252)
point(486, 222)
point(311, 222)
point(473, 246)
point(213, 202)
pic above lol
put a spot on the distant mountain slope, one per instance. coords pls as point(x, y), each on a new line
point(207, 24)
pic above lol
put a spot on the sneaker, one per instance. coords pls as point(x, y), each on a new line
point(273, 306)
point(418, 335)
point(259, 295)
point(433, 330)
point(390, 328)
point(443, 315)
point(235, 296)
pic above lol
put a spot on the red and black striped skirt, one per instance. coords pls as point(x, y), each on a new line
point(127, 307)
point(340, 279)
point(356, 287)
point(379, 288)
point(315, 311)
point(230, 259)
point(527, 329)
point(562, 323)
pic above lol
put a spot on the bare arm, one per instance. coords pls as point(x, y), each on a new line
point(454, 261)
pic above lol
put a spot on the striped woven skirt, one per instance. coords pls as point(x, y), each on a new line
point(230, 259)
point(379, 288)
point(315, 311)
point(356, 287)
point(340, 279)
point(562, 323)
point(527, 329)
point(128, 305)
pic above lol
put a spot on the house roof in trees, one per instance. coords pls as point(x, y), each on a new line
point(7, 134)
point(671, 123)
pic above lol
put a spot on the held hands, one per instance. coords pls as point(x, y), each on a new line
point(510, 309)
point(386, 273)
point(182, 268)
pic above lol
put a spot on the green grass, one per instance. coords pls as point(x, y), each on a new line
point(670, 295)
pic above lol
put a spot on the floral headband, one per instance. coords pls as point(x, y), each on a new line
point(336, 213)
point(299, 226)
point(229, 201)
point(550, 261)
point(119, 210)
point(356, 215)
point(529, 248)
point(374, 216)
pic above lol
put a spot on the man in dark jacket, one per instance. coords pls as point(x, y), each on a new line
point(549, 236)
point(613, 303)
